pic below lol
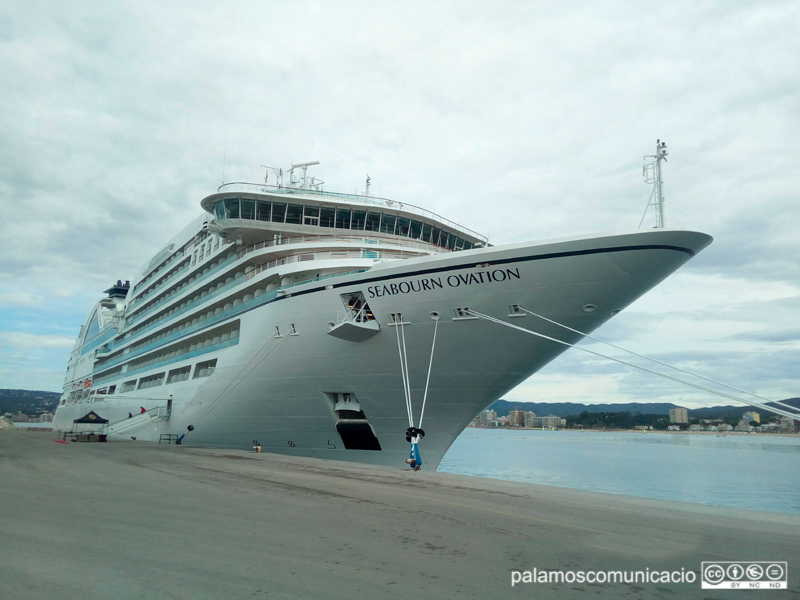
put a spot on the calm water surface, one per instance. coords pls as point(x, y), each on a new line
point(746, 471)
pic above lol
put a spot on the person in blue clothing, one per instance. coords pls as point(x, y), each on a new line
point(413, 435)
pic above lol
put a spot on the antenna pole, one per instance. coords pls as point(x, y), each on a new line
point(652, 174)
point(661, 154)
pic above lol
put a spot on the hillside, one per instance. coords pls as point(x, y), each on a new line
point(564, 409)
point(31, 403)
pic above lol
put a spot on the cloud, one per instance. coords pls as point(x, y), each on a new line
point(522, 121)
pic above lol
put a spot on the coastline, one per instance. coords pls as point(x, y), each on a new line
point(649, 431)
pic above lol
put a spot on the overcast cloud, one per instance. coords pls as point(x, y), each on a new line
point(522, 120)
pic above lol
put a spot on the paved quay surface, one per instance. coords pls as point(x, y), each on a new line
point(138, 520)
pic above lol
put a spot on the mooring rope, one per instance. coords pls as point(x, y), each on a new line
point(403, 366)
point(635, 366)
point(430, 366)
point(663, 364)
point(233, 383)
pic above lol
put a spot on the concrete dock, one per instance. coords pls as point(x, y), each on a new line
point(138, 520)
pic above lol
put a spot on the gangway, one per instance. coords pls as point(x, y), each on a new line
point(140, 420)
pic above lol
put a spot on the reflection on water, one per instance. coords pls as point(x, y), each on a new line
point(747, 471)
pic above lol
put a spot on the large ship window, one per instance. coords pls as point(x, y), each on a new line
point(278, 212)
point(387, 223)
point(343, 218)
point(436, 236)
point(426, 232)
point(248, 209)
point(373, 221)
point(403, 223)
point(219, 210)
point(359, 216)
point(415, 230)
point(326, 216)
point(311, 215)
point(232, 208)
point(294, 214)
point(263, 210)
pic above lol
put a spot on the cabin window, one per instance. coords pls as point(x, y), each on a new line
point(205, 369)
point(436, 236)
point(111, 389)
point(128, 386)
point(263, 210)
point(415, 230)
point(343, 218)
point(219, 210)
point(294, 214)
point(278, 212)
point(451, 240)
point(311, 215)
point(177, 375)
point(248, 209)
point(359, 216)
point(373, 222)
point(387, 223)
point(151, 381)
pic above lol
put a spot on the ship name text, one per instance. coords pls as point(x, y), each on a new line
point(426, 284)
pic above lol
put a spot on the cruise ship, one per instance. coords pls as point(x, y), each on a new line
point(308, 322)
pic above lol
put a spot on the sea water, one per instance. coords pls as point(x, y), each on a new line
point(755, 471)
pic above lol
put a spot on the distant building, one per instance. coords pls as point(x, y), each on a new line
point(770, 428)
point(529, 418)
point(486, 417)
point(516, 418)
point(678, 415)
point(45, 418)
point(751, 416)
point(550, 421)
point(21, 418)
point(788, 424)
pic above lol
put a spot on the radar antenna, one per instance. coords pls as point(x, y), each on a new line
point(652, 175)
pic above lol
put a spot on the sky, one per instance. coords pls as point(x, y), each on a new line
point(521, 120)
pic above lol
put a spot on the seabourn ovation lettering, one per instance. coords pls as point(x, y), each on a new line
point(426, 284)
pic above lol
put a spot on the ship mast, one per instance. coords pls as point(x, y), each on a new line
point(652, 175)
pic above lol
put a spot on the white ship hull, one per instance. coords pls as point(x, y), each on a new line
point(282, 390)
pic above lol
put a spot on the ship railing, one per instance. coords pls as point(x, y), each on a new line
point(292, 258)
point(306, 239)
point(150, 309)
point(257, 188)
point(143, 312)
point(225, 314)
point(309, 256)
